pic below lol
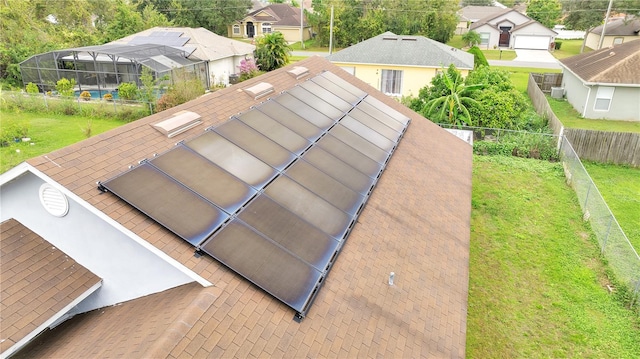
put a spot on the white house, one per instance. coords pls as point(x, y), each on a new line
point(511, 29)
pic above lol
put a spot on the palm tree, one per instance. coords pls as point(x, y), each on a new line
point(454, 99)
point(272, 51)
point(472, 38)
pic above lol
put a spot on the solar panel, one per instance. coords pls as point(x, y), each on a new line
point(325, 187)
point(233, 159)
point(264, 263)
point(290, 120)
point(273, 192)
point(317, 103)
point(168, 202)
point(349, 155)
point(290, 231)
point(196, 172)
point(275, 131)
point(255, 143)
point(307, 112)
point(309, 206)
point(166, 33)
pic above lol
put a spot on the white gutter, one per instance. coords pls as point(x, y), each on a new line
point(24, 167)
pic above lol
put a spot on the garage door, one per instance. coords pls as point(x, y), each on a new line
point(532, 42)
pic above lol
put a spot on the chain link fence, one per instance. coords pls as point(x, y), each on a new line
point(614, 245)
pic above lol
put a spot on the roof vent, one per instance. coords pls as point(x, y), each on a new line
point(298, 72)
point(260, 90)
point(409, 39)
point(54, 201)
point(390, 38)
point(178, 123)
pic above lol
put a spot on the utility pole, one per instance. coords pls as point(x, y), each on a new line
point(604, 27)
point(331, 32)
point(302, 23)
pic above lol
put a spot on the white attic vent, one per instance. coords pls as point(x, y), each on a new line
point(298, 72)
point(260, 90)
point(180, 122)
point(54, 201)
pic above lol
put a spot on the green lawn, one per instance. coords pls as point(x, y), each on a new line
point(537, 286)
point(620, 187)
point(569, 48)
point(571, 118)
point(48, 132)
point(506, 55)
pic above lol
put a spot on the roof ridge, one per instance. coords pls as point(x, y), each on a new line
point(174, 333)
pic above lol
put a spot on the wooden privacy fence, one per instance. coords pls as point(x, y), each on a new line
point(546, 81)
point(598, 146)
point(607, 147)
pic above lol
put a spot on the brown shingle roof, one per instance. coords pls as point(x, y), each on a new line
point(416, 224)
point(279, 14)
point(616, 65)
point(37, 283)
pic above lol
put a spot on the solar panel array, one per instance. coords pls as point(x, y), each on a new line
point(274, 192)
point(167, 38)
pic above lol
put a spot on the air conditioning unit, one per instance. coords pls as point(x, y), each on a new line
point(557, 92)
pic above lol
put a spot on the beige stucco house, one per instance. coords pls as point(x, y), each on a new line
point(400, 65)
point(282, 18)
point(617, 31)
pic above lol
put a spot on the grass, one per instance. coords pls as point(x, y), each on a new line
point(520, 75)
point(48, 132)
point(571, 118)
point(536, 281)
point(620, 188)
point(569, 48)
point(505, 55)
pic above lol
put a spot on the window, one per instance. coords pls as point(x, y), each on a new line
point(236, 29)
point(484, 38)
point(266, 28)
point(618, 40)
point(391, 82)
point(349, 69)
point(603, 98)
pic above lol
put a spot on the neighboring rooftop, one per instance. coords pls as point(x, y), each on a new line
point(278, 14)
point(615, 65)
point(39, 284)
point(203, 44)
point(628, 26)
point(474, 13)
point(415, 223)
point(391, 49)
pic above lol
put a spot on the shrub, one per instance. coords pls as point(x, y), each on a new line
point(128, 91)
point(558, 45)
point(108, 97)
point(538, 145)
point(478, 57)
point(85, 95)
point(32, 88)
point(248, 69)
point(65, 87)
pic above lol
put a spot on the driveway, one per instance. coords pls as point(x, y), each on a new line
point(535, 56)
point(530, 58)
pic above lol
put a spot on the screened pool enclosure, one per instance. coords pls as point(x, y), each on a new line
point(100, 69)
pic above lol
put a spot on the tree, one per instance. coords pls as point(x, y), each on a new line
point(546, 12)
point(501, 105)
point(453, 106)
point(126, 21)
point(272, 51)
point(472, 38)
point(586, 14)
point(213, 15)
